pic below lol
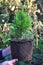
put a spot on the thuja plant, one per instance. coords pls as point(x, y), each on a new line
point(21, 23)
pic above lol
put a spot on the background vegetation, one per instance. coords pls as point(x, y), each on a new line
point(34, 8)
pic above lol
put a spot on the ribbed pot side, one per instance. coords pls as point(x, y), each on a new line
point(22, 49)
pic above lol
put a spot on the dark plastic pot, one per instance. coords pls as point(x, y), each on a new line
point(22, 49)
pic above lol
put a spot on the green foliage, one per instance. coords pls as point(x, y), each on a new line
point(4, 40)
point(4, 16)
point(22, 23)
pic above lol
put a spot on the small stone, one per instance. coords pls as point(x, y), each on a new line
point(12, 9)
point(38, 10)
point(3, 21)
point(6, 27)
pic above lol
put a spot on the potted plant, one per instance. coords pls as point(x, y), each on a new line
point(21, 43)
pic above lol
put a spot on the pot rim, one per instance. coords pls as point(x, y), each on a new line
point(21, 40)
